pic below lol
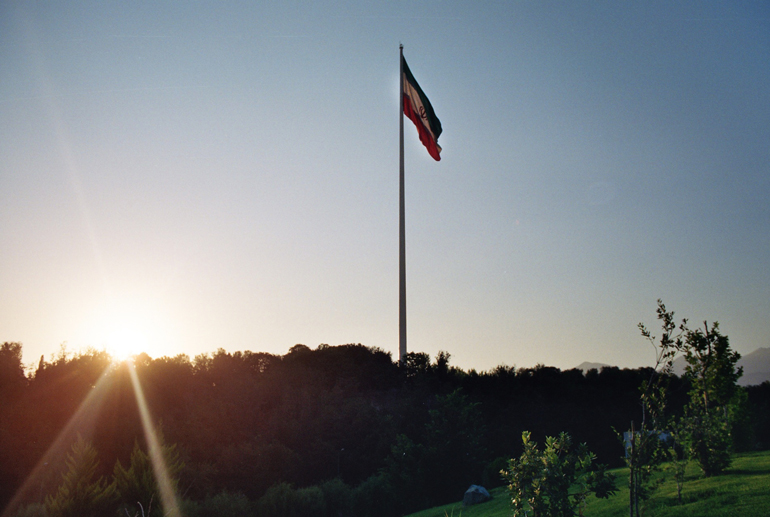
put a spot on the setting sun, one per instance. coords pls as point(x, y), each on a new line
point(125, 328)
point(124, 342)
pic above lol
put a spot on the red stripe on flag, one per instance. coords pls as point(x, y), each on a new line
point(425, 136)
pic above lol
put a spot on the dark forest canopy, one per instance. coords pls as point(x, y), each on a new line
point(245, 421)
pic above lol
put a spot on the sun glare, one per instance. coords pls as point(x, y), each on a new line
point(124, 342)
point(125, 330)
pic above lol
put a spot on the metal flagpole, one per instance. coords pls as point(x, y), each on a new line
point(402, 238)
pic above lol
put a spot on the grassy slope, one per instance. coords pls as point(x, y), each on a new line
point(744, 490)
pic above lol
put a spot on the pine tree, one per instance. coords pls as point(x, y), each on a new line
point(136, 485)
point(79, 495)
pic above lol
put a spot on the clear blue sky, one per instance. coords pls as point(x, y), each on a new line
point(196, 175)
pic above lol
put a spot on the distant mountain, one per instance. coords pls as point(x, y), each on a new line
point(585, 366)
point(756, 367)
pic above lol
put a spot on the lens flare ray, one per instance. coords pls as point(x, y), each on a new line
point(82, 422)
point(168, 495)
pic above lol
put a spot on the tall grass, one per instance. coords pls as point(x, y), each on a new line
point(743, 490)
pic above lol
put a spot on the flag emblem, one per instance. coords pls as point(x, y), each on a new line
point(419, 110)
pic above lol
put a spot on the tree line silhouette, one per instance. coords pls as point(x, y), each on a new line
point(405, 436)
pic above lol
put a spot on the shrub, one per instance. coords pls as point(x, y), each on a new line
point(32, 510)
point(308, 502)
point(556, 480)
point(375, 497)
point(338, 498)
point(277, 501)
point(225, 504)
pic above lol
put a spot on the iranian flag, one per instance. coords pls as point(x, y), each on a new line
point(417, 107)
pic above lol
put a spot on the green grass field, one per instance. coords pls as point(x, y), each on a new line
point(744, 490)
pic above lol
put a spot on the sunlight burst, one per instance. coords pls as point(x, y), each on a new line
point(126, 342)
point(125, 328)
point(168, 496)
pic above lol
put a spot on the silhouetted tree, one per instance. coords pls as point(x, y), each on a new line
point(714, 397)
point(82, 493)
point(246, 421)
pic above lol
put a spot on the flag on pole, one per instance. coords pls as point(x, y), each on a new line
point(417, 107)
